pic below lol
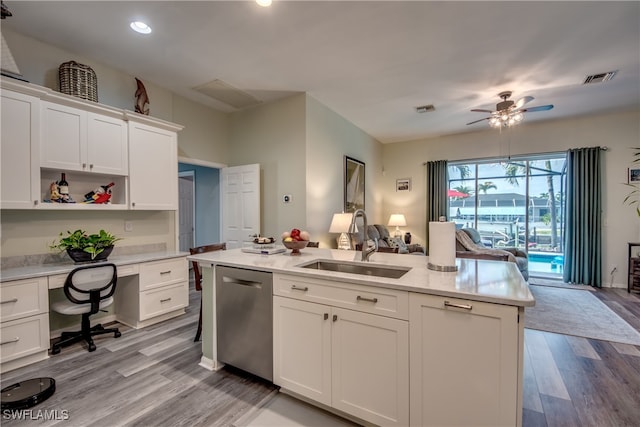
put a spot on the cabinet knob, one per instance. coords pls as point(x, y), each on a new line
point(35, 203)
point(91, 166)
point(84, 166)
point(335, 317)
point(326, 316)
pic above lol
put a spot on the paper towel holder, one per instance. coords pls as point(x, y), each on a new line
point(445, 268)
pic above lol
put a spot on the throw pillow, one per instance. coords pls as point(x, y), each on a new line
point(397, 242)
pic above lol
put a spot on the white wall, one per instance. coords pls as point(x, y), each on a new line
point(619, 132)
point(329, 138)
point(273, 135)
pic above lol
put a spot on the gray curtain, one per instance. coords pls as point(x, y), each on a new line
point(437, 185)
point(583, 237)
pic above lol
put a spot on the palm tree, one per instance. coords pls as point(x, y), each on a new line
point(486, 186)
point(464, 171)
point(464, 189)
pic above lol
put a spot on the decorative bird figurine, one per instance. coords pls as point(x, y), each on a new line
point(5, 11)
point(141, 98)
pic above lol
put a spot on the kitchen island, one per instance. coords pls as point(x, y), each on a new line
point(426, 348)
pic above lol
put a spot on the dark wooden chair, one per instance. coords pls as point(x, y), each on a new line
point(197, 275)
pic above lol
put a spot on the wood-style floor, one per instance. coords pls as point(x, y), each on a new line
point(151, 377)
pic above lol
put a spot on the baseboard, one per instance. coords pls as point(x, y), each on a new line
point(210, 364)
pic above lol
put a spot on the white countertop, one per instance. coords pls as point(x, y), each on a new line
point(478, 280)
point(42, 270)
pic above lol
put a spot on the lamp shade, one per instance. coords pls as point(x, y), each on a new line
point(397, 220)
point(340, 223)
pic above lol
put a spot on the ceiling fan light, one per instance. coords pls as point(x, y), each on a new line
point(518, 117)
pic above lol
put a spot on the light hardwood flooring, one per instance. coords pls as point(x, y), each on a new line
point(151, 377)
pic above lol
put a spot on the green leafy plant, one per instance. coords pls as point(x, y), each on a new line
point(632, 198)
point(93, 244)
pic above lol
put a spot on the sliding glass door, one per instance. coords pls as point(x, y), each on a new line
point(513, 203)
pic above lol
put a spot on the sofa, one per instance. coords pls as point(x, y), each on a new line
point(469, 245)
point(387, 243)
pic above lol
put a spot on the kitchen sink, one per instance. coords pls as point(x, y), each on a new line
point(362, 268)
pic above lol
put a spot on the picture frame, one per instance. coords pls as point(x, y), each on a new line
point(354, 180)
point(403, 184)
point(633, 176)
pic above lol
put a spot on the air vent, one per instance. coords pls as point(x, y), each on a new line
point(224, 92)
point(425, 108)
point(599, 78)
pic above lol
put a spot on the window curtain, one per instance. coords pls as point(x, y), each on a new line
point(437, 184)
point(583, 237)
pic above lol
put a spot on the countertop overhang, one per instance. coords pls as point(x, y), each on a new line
point(478, 280)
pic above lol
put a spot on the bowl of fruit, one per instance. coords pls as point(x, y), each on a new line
point(295, 240)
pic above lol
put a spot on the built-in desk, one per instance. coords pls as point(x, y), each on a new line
point(151, 287)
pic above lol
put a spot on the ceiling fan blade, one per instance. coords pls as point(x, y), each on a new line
point(525, 99)
point(481, 120)
point(540, 108)
point(477, 110)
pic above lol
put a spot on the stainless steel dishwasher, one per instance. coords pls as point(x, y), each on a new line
point(244, 320)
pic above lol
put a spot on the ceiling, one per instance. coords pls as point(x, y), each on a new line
point(373, 62)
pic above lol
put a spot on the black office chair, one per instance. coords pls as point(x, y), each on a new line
point(88, 289)
point(197, 275)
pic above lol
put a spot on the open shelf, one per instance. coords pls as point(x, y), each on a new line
point(81, 183)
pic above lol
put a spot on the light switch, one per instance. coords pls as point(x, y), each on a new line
point(128, 226)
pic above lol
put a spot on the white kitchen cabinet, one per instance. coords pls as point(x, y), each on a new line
point(20, 173)
point(464, 362)
point(348, 359)
point(77, 140)
point(153, 168)
point(159, 292)
point(24, 322)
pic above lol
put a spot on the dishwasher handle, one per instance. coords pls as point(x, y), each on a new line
point(242, 282)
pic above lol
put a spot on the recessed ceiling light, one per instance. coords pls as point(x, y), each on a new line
point(264, 3)
point(140, 27)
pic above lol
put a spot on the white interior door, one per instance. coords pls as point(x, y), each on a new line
point(186, 210)
point(240, 204)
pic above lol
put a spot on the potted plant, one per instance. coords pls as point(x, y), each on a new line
point(83, 247)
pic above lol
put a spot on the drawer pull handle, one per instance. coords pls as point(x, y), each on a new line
point(298, 288)
point(9, 301)
point(373, 300)
point(165, 272)
point(462, 306)
point(165, 300)
point(16, 339)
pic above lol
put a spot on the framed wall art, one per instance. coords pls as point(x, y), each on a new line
point(634, 176)
point(403, 184)
point(353, 184)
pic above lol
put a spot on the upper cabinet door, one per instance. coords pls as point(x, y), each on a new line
point(77, 140)
point(20, 174)
point(153, 168)
point(64, 137)
point(107, 145)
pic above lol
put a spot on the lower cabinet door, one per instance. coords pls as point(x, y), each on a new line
point(302, 348)
point(370, 367)
point(464, 364)
point(23, 337)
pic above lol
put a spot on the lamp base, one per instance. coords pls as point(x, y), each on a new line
point(344, 242)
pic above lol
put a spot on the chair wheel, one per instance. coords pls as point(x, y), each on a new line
point(55, 350)
point(92, 347)
point(117, 334)
point(99, 327)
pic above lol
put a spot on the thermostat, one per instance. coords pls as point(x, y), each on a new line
point(287, 198)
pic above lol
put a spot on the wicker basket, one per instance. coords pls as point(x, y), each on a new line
point(78, 80)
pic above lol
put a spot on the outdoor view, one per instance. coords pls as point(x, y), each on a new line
point(519, 202)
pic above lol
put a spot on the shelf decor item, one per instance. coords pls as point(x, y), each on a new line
point(78, 80)
point(83, 247)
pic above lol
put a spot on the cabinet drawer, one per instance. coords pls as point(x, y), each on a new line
point(21, 298)
point(163, 300)
point(385, 302)
point(161, 273)
point(24, 337)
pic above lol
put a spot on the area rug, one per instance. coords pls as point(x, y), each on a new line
point(579, 313)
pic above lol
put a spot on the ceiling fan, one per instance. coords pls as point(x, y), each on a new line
point(509, 113)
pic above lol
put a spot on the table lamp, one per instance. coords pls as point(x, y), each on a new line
point(398, 221)
point(340, 224)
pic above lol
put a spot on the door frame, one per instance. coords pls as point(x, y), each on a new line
point(192, 175)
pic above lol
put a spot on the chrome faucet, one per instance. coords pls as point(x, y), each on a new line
point(366, 249)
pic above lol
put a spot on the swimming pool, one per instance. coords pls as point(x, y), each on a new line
point(546, 262)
